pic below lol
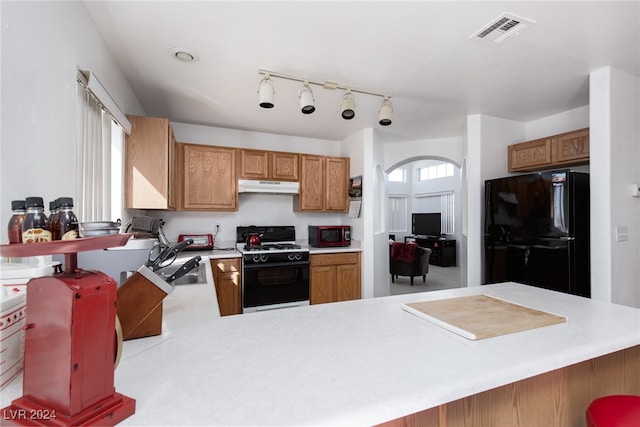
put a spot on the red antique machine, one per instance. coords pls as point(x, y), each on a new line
point(70, 342)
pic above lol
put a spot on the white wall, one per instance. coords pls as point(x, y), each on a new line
point(43, 46)
point(567, 121)
point(398, 153)
point(485, 158)
point(366, 155)
point(379, 256)
point(614, 166)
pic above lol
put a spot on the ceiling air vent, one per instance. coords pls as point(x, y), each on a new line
point(503, 28)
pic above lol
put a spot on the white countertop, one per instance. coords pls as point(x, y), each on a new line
point(212, 254)
point(354, 247)
point(186, 306)
point(233, 253)
point(356, 362)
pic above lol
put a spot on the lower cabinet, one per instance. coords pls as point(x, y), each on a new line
point(226, 276)
point(334, 277)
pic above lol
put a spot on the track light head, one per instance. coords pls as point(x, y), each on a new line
point(385, 113)
point(348, 106)
point(306, 100)
point(266, 91)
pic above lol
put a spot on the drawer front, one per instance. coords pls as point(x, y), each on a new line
point(335, 259)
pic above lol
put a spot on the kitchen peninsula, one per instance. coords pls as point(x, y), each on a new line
point(358, 362)
point(368, 362)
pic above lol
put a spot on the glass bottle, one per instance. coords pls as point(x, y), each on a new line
point(19, 209)
point(67, 220)
point(54, 220)
point(35, 227)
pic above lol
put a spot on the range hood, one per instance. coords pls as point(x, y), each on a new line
point(273, 187)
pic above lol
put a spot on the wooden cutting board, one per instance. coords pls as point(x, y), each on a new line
point(481, 316)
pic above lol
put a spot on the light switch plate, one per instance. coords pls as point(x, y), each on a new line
point(622, 233)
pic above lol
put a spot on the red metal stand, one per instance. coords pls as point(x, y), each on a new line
point(69, 342)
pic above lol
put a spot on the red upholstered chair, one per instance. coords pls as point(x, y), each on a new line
point(614, 411)
point(408, 259)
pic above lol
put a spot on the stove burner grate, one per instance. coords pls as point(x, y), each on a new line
point(271, 246)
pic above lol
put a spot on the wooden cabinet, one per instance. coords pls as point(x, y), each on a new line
point(324, 184)
point(208, 176)
point(531, 155)
point(567, 149)
point(227, 279)
point(149, 164)
point(268, 165)
point(337, 184)
point(334, 277)
point(572, 148)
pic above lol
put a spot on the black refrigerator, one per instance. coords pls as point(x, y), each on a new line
point(536, 231)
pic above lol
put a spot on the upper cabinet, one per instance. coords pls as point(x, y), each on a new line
point(268, 165)
point(160, 174)
point(566, 149)
point(572, 148)
point(149, 164)
point(207, 178)
point(324, 184)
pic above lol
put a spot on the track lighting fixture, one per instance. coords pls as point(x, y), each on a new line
point(266, 91)
point(306, 99)
point(386, 110)
point(348, 106)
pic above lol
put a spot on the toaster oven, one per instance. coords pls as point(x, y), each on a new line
point(201, 242)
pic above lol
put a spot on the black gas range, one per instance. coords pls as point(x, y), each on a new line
point(275, 273)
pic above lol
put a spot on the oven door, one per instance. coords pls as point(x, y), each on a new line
point(275, 285)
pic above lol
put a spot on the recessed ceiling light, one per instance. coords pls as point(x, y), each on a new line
point(184, 55)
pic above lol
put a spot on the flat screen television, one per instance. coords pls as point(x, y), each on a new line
point(426, 224)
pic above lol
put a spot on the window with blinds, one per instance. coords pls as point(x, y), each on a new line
point(447, 212)
point(100, 160)
point(398, 214)
point(434, 202)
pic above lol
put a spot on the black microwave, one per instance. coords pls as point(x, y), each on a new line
point(324, 236)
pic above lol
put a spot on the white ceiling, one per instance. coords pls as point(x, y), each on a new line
point(419, 52)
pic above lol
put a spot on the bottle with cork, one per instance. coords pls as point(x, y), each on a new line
point(35, 227)
point(19, 210)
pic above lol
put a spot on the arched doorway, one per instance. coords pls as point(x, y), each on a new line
point(427, 185)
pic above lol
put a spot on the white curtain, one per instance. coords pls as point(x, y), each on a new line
point(398, 213)
point(94, 136)
point(447, 213)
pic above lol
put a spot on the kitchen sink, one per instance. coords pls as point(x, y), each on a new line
point(196, 276)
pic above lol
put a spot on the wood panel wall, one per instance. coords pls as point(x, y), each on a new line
point(557, 398)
